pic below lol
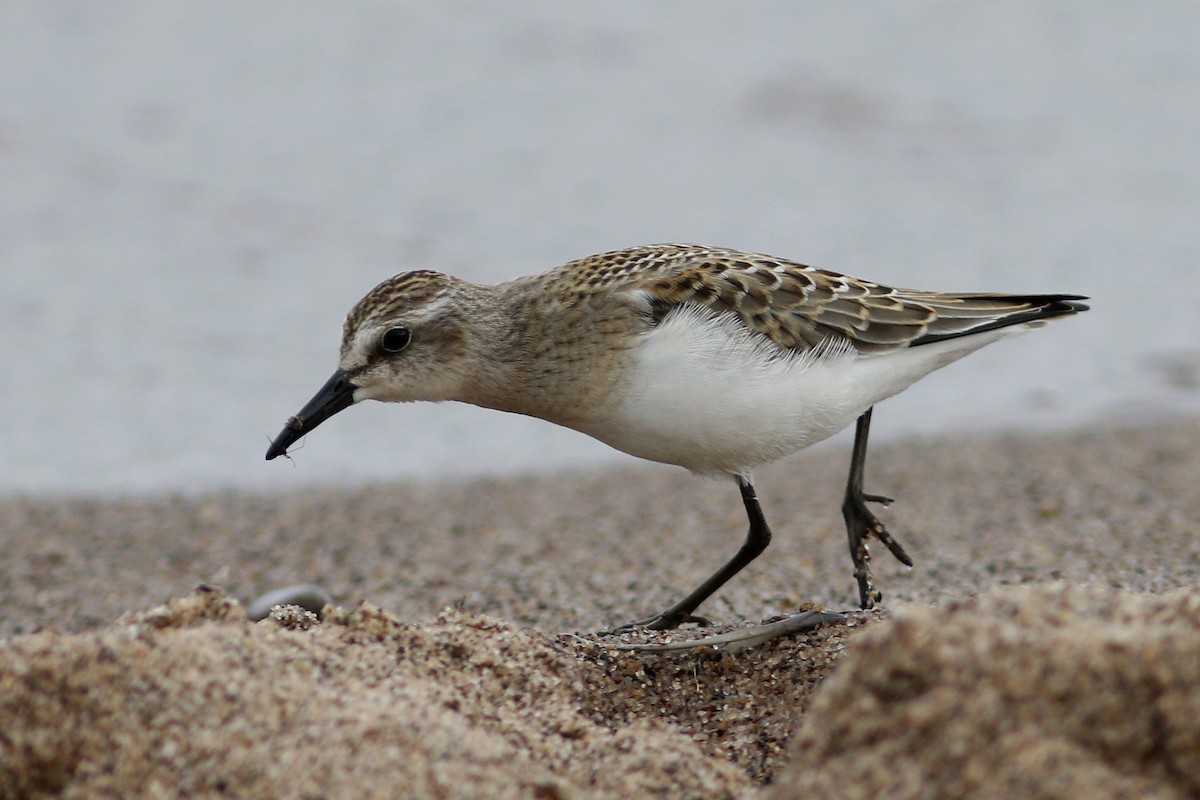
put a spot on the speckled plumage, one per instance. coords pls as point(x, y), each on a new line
point(795, 305)
point(712, 359)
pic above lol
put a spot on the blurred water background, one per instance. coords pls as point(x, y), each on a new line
point(192, 195)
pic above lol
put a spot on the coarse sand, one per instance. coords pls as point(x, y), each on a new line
point(1046, 644)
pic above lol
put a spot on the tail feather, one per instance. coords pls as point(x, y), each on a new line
point(970, 314)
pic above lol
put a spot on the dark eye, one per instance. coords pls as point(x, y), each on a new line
point(396, 339)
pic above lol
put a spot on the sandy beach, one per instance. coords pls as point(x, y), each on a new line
point(1046, 643)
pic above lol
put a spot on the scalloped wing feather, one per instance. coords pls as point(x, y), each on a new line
point(799, 307)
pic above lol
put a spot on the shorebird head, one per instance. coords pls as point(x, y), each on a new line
point(406, 340)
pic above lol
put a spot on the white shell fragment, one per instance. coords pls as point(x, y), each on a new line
point(308, 596)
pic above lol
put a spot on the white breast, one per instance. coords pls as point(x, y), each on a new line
point(711, 396)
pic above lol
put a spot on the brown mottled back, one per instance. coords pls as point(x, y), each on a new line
point(797, 306)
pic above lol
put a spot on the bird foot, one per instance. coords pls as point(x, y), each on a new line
point(861, 523)
point(662, 622)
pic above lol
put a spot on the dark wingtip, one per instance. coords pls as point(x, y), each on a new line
point(1070, 305)
point(1053, 305)
point(1045, 306)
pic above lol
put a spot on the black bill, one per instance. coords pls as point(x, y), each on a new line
point(335, 395)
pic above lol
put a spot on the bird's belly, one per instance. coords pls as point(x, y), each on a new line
point(730, 420)
point(711, 397)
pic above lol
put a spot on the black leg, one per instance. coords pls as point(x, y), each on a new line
point(757, 539)
point(861, 523)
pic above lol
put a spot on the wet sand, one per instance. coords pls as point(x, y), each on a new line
point(450, 665)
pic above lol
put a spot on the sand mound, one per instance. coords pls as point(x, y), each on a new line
point(192, 699)
point(1051, 691)
point(1054, 692)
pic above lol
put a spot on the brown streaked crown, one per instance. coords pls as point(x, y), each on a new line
point(398, 293)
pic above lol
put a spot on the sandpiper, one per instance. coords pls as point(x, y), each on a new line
point(716, 360)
